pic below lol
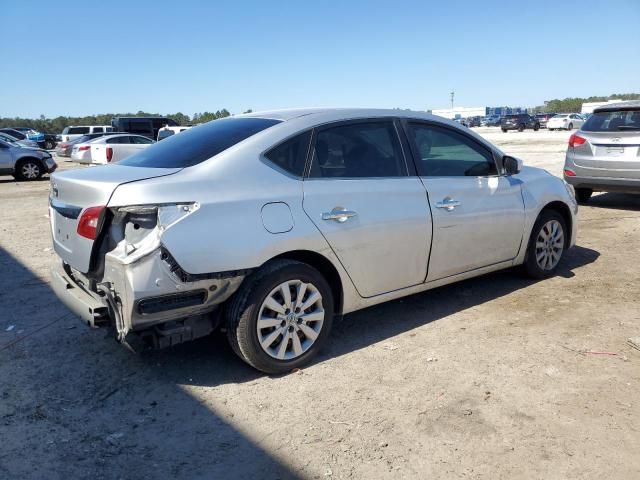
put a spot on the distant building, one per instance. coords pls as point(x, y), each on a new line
point(465, 112)
point(588, 107)
point(460, 112)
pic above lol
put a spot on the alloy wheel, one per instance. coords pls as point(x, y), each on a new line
point(290, 319)
point(549, 245)
point(30, 171)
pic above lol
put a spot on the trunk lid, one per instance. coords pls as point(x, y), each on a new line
point(75, 190)
point(609, 154)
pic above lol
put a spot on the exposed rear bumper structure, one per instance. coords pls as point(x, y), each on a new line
point(146, 302)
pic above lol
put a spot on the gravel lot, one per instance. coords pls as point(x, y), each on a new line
point(495, 377)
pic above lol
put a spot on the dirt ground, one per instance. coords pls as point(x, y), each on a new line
point(493, 378)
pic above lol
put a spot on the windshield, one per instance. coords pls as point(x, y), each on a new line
point(615, 121)
point(198, 144)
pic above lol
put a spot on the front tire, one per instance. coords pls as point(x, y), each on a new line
point(504, 130)
point(547, 244)
point(570, 126)
point(280, 317)
point(521, 127)
point(28, 169)
point(583, 195)
point(536, 127)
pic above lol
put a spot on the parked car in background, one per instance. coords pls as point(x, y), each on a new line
point(63, 149)
point(72, 132)
point(255, 223)
point(473, 121)
point(30, 133)
point(42, 140)
point(146, 126)
point(24, 163)
point(604, 155)
point(18, 136)
point(166, 132)
point(519, 122)
point(543, 118)
point(491, 121)
point(565, 121)
point(114, 148)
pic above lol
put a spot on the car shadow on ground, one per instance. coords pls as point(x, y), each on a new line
point(615, 201)
point(383, 321)
point(10, 179)
point(84, 407)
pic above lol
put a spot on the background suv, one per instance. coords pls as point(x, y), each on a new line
point(519, 121)
point(604, 154)
point(24, 163)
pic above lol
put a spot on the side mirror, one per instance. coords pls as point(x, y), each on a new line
point(512, 165)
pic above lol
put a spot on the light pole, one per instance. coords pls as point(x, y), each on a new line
point(452, 95)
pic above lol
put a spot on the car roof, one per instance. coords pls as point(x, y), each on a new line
point(613, 107)
point(329, 114)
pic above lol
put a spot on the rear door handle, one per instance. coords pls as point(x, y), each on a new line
point(339, 214)
point(448, 204)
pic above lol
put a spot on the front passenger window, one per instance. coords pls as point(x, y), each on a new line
point(443, 152)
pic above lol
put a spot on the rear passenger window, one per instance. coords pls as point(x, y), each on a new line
point(97, 130)
point(445, 153)
point(78, 130)
point(118, 140)
point(358, 150)
point(291, 155)
point(140, 140)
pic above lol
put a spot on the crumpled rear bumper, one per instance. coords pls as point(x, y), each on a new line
point(143, 296)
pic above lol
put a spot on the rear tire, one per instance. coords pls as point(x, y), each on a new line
point(521, 127)
point(49, 145)
point(536, 127)
point(570, 126)
point(286, 337)
point(583, 195)
point(546, 246)
point(28, 169)
point(504, 130)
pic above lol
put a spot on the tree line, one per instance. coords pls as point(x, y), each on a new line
point(574, 104)
point(56, 125)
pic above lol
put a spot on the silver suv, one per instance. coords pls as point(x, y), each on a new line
point(604, 155)
point(270, 224)
point(24, 163)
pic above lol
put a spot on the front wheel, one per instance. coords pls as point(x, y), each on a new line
point(280, 317)
point(546, 245)
point(28, 169)
point(536, 127)
point(504, 130)
point(570, 126)
point(521, 127)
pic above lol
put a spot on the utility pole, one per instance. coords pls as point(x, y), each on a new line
point(452, 95)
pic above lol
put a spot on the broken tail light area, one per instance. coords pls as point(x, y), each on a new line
point(136, 230)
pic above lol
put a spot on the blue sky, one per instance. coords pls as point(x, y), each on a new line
point(77, 58)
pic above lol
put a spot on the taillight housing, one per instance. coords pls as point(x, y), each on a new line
point(109, 154)
point(569, 173)
point(576, 139)
point(88, 222)
point(83, 148)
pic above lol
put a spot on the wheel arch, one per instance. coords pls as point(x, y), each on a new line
point(325, 267)
point(25, 158)
point(564, 210)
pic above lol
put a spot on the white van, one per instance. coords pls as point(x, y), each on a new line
point(76, 131)
point(168, 131)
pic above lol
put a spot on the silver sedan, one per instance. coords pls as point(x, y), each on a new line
point(271, 224)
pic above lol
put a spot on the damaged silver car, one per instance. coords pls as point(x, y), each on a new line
point(269, 225)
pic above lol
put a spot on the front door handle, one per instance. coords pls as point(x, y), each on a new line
point(448, 204)
point(339, 214)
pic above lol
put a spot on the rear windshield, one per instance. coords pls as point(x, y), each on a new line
point(615, 121)
point(198, 144)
